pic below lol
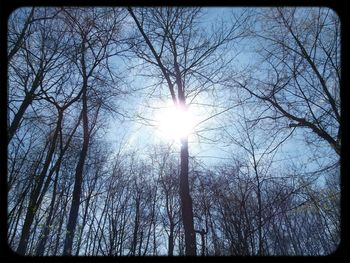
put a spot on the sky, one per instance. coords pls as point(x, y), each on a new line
point(139, 135)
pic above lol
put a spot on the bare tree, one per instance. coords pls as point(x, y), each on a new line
point(95, 40)
point(173, 44)
point(300, 79)
point(40, 187)
point(33, 62)
point(167, 167)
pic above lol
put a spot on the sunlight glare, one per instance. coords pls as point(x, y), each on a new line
point(175, 123)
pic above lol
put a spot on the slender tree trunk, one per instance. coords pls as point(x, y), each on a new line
point(186, 201)
point(32, 237)
point(151, 222)
point(90, 234)
point(171, 240)
point(98, 224)
point(203, 243)
point(136, 227)
point(83, 225)
point(59, 230)
point(260, 251)
point(85, 213)
point(202, 234)
point(122, 234)
point(78, 180)
point(33, 203)
point(14, 225)
point(45, 233)
point(140, 245)
point(214, 236)
point(154, 239)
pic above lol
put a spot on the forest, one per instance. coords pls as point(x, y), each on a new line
point(173, 131)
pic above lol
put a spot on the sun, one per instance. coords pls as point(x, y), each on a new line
point(175, 122)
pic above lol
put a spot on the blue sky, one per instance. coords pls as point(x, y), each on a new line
point(138, 135)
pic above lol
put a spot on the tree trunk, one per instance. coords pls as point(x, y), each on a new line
point(171, 240)
point(186, 201)
point(45, 233)
point(73, 215)
point(33, 203)
point(85, 213)
point(151, 223)
point(136, 227)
